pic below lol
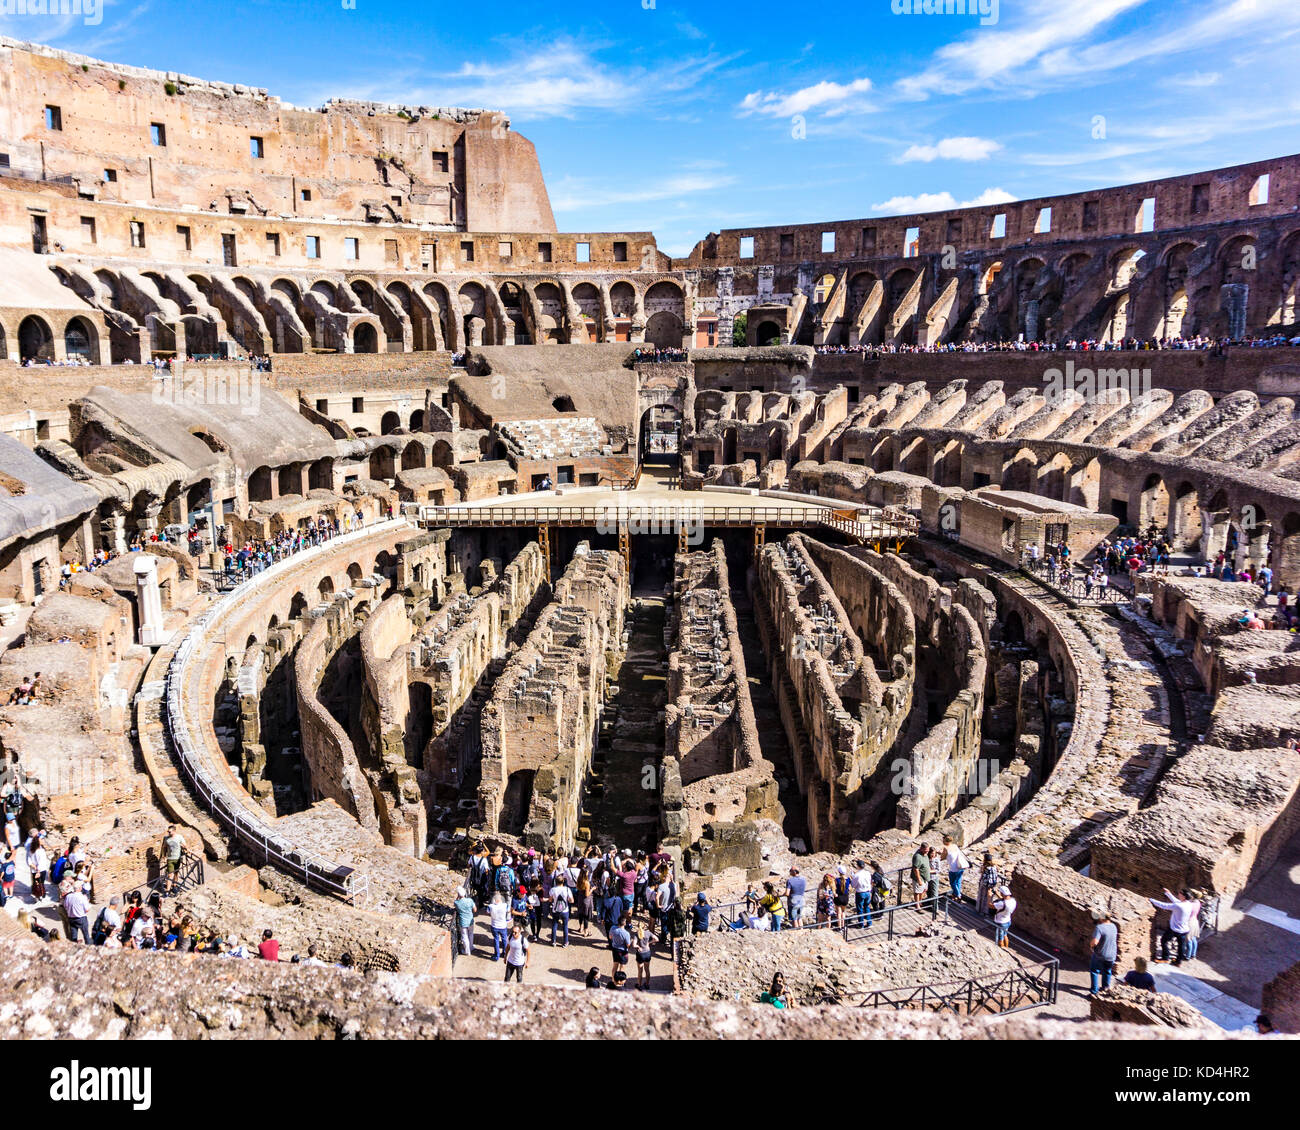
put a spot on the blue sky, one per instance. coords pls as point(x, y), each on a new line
point(687, 117)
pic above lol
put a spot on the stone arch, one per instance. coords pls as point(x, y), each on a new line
point(1054, 477)
point(35, 339)
point(1185, 517)
point(290, 479)
point(382, 464)
point(1153, 504)
point(413, 455)
point(1020, 472)
point(259, 485)
point(81, 339)
point(587, 299)
point(297, 606)
point(1286, 554)
point(389, 423)
point(365, 338)
point(326, 587)
point(946, 471)
point(472, 300)
point(767, 332)
point(915, 458)
point(1085, 484)
point(883, 454)
point(320, 476)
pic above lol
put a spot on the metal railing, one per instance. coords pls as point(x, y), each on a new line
point(885, 923)
point(188, 876)
point(1025, 986)
point(1074, 585)
point(240, 817)
point(873, 526)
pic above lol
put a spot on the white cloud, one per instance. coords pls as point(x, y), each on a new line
point(939, 202)
point(573, 193)
point(1059, 44)
point(952, 149)
point(833, 97)
point(540, 80)
point(1196, 79)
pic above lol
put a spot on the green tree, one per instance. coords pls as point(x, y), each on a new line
point(738, 324)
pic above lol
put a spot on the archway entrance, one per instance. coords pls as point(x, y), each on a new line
point(659, 436)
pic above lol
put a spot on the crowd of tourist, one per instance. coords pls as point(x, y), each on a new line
point(641, 353)
point(630, 898)
point(1070, 345)
point(256, 554)
point(63, 881)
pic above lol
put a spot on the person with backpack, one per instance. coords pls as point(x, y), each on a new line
point(8, 876)
point(107, 922)
point(843, 890)
point(561, 902)
point(881, 888)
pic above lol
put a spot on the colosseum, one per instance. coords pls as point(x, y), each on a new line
point(382, 569)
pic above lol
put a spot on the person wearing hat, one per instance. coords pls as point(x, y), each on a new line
point(1004, 906)
point(700, 914)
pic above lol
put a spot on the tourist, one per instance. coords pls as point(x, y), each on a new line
point(172, 846)
point(77, 908)
point(776, 995)
point(617, 981)
point(620, 941)
point(825, 900)
point(561, 901)
point(516, 954)
point(1138, 977)
point(862, 893)
point(643, 947)
point(465, 907)
point(920, 872)
point(583, 902)
point(795, 886)
point(957, 866)
point(1194, 926)
point(843, 890)
point(1004, 906)
point(593, 978)
point(881, 888)
point(499, 922)
point(268, 949)
point(1182, 911)
point(8, 876)
point(700, 914)
point(107, 923)
point(38, 864)
point(989, 880)
point(771, 904)
point(1104, 947)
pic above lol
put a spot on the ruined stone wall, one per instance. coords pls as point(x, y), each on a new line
point(327, 748)
point(539, 726)
point(711, 736)
point(458, 649)
point(1218, 820)
point(951, 667)
point(852, 703)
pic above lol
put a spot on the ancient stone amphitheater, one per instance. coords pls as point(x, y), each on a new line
point(557, 554)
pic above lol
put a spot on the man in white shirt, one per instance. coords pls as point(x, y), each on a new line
point(862, 892)
point(77, 908)
point(957, 865)
point(1182, 913)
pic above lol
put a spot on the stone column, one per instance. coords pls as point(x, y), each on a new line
point(149, 601)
